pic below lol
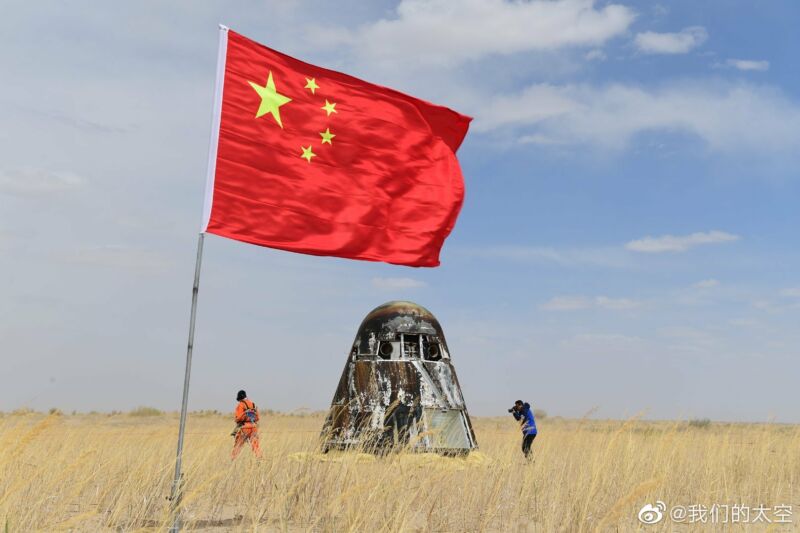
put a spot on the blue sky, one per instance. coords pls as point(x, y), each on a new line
point(627, 243)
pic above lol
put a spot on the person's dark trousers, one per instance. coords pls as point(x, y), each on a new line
point(527, 440)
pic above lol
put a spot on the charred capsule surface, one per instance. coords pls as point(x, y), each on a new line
point(399, 387)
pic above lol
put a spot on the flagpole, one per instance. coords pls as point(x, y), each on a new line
point(177, 483)
point(177, 489)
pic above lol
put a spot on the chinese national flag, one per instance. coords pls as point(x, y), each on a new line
point(317, 162)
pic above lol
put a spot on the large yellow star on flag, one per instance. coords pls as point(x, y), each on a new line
point(271, 100)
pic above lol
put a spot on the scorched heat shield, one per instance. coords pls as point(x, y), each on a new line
point(399, 387)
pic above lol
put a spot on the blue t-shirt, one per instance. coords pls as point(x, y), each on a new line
point(526, 417)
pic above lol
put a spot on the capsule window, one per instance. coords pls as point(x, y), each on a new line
point(385, 350)
point(433, 352)
point(411, 346)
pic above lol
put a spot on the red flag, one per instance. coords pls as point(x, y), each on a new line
point(314, 161)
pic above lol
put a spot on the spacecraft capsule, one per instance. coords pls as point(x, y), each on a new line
point(399, 388)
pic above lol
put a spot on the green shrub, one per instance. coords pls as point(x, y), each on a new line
point(700, 422)
point(145, 411)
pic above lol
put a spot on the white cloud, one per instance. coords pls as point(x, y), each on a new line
point(672, 243)
point(397, 283)
point(706, 284)
point(660, 11)
point(616, 304)
point(747, 64)
point(595, 55)
point(791, 292)
point(764, 305)
point(38, 182)
point(576, 303)
point(727, 117)
point(441, 32)
point(567, 303)
point(543, 140)
point(536, 103)
point(671, 43)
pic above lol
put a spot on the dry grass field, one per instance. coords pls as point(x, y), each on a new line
point(113, 473)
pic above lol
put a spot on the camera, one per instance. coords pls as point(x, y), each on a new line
point(511, 410)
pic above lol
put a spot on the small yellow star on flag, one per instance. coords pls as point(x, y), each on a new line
point(271, 100)
point(311, 84)
point(329, 107)
point(327, 136)
point(307, 153)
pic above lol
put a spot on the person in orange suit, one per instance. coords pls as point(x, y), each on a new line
point(246, 416)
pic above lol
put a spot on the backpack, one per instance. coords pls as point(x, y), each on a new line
point(250, 413)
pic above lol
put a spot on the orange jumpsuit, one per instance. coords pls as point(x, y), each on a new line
point(248, 430)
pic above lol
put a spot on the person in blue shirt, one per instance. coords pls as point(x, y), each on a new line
point(524, 415)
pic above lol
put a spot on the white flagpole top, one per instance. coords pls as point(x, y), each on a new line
point(215, 120)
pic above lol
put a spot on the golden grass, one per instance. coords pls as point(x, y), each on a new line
point(100, 473)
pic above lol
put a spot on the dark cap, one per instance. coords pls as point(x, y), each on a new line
point(241, 395)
